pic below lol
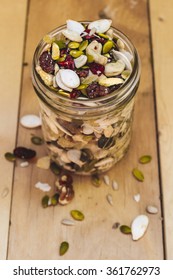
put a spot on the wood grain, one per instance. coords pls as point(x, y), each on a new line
point(36, 233)
point(161, 23)
point(12, 30)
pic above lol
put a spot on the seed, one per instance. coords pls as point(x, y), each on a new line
point(125, 229)
point(109, 199)
point(55, 51)
point(114, 185)
point(63, 248)
point(125, 74)
point(105, 142)
point(139, 226)
point(106, 180)
point(67, 222)
point(152, 209)
point(77, 215)
point(30, 121)
point(61, 44)
point(145, 159)
point(107, 46)
point(10, 156)
point(55, 168)
point(90, 58)
point(45, 201)
point(75, 53)
point(138, 174)
point(54, 199)
point(95, 179)
point(62, 58)
point(83, 45)
point(120, 44)
point(24, 153)
point(103, 35)
point(82, 86)
point(73, 45)
point(37, 140)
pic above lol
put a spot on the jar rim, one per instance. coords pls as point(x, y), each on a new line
point(118, 96)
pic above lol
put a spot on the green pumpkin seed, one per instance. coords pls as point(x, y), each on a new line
point(77, 215)
point(145, 159)
point(10, 157)
point(64, 246)
point(37, 140)
point(45, 201)
point(125, 229)
point(75, 53)
point(83, 45)
point(55, 168)
point(107, 46)
point(103, 35)
point(64, 93)
point(82, 86)
point(73, 45)
point(62, 58)
point(54, 199)
point(90, 58)
point(60, 43)
point(95, 179)
point(138, 174)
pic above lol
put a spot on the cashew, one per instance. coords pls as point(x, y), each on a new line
point(94, 49)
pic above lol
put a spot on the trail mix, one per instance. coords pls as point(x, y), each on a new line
point(85, 60)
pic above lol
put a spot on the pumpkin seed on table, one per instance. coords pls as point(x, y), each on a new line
point(45, 201)
point(55, 168)
point(64, 246)
point(37, 140)
point(10, 156)
point(145, 159)
point(125, 229)
point(95, 179)
point(77, 215)
point(138, 174)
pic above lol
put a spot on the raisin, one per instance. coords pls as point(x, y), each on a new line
point(46, 62)
point(95, 90)
point(96, 68)
point(24, 153)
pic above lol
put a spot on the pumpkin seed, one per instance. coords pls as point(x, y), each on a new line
point(95, 179)
point(55, 51)
point(10, 157)
point(62, 58)
point(139, 226)
point(90, 58)
point(145, 159)
point(60, 43)
point(107, 46)
point(82, 86)
point(75, 53)
point(106, 143)
point(138, 174)
point(64, 246)
point(55, 168)
point(37, 140)
point(45, 201)
point(83, 45)
point(73, 45)
point(125, 229)
point(77, 215)
point(103, 35)
point(54, 199)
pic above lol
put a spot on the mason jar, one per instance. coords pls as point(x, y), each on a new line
point(87, 136)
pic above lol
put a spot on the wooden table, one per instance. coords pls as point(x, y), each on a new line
point(27, 231)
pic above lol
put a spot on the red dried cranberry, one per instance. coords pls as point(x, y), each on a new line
point(68, 63)
point(95, 90)
point(83, 73)
point(75, 93)
point(24, 153)
point(96, 68)
point(46, 62)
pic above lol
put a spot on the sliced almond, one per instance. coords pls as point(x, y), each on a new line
point(139, 226)
point(75, 26)
point(72, 35)
point(61, 84)
point(107, 82)
point(69, 78)
point(114, 68)
point(120, 55)
point(30, 121)
point(101, 25)
point(80, 61)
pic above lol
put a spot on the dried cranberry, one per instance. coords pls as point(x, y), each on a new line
point(95, 90)
point(68, 63)
point(24, 153)
point(83, 73)
point(96, 68)
point(75, 93)
point(46, 62)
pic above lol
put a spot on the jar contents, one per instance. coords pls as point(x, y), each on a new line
point(85, 62)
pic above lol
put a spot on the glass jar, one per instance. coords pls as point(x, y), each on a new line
point(82, 135)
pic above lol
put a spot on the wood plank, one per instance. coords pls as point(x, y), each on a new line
point(12, 30)
point(161, 23)
point(35, 232)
